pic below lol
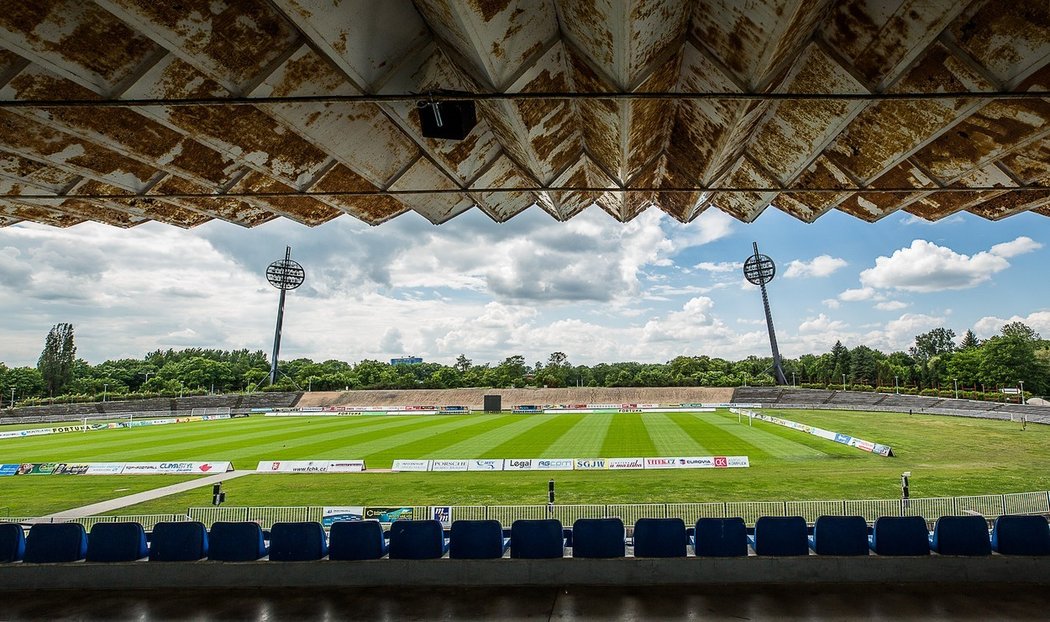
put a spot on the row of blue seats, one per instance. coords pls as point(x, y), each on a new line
point(526, 539)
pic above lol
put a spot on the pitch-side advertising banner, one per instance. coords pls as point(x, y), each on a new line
point(484, 465)
point(332, 515)
point(517, 464)
point(625, 463)
point(175, 468)
point(311, 466)
point(8, 469)
point(552, 464)
point(448, 465)
point(845, 439)
point(411, 465)
point(589, 464)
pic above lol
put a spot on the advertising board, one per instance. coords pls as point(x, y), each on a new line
point(589, 464)
point(552, 464)
point(517, 464)
point(625, 463)
point(484, 465)
point(448, 465)
point(411, 465)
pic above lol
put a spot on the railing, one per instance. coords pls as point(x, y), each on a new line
point(146, 520)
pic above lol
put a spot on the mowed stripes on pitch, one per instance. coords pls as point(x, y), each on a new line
point(380, 440)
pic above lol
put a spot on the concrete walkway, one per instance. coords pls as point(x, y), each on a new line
point(122, 502)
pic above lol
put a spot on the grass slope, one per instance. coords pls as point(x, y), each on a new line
point(947, 456)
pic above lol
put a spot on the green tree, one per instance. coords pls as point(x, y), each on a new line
point(56, 360)
point(462, 364)
point(969, 341)
point(932, 343)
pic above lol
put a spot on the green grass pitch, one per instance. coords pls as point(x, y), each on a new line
point(946, 455)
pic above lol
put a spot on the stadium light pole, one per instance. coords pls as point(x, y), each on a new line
point(105, 386)
point(843, 382)
point(896, 385)
point(759, 270)
point(792, 378)
point(956, 382)
point(1022, 390)
point(284, 274)
point(12, 398)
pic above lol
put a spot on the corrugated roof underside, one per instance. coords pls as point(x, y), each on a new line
point(185, 165)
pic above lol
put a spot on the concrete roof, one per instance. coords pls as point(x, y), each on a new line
point(125, 111)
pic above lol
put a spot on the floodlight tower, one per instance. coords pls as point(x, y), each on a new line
point(284, 274)
point(759, 270)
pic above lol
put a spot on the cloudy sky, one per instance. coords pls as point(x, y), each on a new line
point(596, 289)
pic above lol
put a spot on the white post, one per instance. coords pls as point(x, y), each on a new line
point(1022, 390)
point(956, 381)
point(896, 385)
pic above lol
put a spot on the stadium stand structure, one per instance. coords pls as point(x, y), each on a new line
point(960, 547)
point(475, 398)
point(776, 397)
point(153, 407)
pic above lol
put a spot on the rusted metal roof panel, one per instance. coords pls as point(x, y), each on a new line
point(326, 122)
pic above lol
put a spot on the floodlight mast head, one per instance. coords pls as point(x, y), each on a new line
point(760, 270)
point(284, 274)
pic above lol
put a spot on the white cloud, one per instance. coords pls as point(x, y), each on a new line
point(926, 267)
point(720, 266)
point(1019, 246)
point(856, 295)
point(891, 305)
point(821, 324)
point(831, 303)
point(989, 325)
point(820, 266)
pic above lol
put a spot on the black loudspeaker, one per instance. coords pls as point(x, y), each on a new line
point(450, 120)
point(493, 403)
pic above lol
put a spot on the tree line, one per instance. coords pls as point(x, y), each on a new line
point(935, 365)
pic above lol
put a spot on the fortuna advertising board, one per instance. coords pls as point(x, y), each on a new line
point(625, 463)
point(448, 465)
point(175, 468)
point(411, 465)
point(552, 464)
point(517, 464)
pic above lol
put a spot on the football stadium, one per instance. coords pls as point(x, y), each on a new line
point(650, 501)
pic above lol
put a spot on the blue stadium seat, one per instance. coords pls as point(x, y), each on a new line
point(781, 536)
point(599, 538)
point(961, 535)
point(116, 542)
point(236, 542)
point(537, 539)
point(12, 542)
point(477, 539)
point(297, 542)
point(1021, 535)
point(354, 540)
point(840, 535)
point(900, 535)
point(660, 537)
point(417, 539)
point(178, 542)
point(720, 537)
point(49, 543)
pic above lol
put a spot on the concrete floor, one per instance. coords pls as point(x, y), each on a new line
point(872, 602)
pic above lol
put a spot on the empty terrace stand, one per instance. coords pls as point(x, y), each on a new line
point(757, 395)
